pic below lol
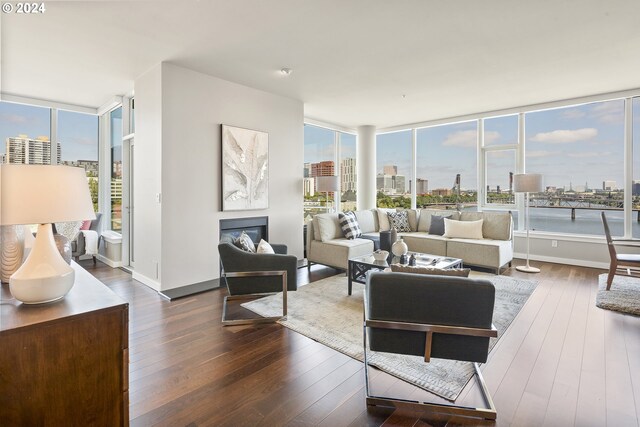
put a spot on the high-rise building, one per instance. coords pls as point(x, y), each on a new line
point(422, 186)
point(309, 186)
point(399, 184)
point(384, 183)
point(348, 174)
point(635, 188)
point(307, 170)
point(326, 168)
point(390, 170)
point(609, 185)
point(3, 158)
point(27, 151)
point(442, 192)
point(391, 184)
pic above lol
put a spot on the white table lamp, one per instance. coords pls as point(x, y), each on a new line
point(43, 194)
point(328, 184)
point(527, 183)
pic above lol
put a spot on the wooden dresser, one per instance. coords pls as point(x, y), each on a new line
point(65, 363)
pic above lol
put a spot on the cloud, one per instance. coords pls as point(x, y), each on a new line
point(611, 112)
point(468, 138)
point(539, 153)
point(587, 154)
point(13, 118)
point(565, 136)
point(461, 138)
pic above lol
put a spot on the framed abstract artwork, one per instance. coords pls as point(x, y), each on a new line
point(245, 169)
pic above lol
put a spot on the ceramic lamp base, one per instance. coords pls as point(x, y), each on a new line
point(527, 269)
point(44, 276)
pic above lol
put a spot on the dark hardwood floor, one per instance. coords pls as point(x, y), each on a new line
point(562, 362)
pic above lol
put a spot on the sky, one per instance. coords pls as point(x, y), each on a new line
point(572, 146)
point(77, 132)
point(319, 144)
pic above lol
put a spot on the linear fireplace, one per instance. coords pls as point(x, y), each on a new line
point(256, 227)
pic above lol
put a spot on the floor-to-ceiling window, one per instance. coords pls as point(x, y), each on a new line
point(500, 142)
point(394, 170)
point(328, 153)
point(348, 171)
point(635, 132)
point(579, 150)
point(115, 128)
point(446, 166)
point(78, 138)
point(25, 134)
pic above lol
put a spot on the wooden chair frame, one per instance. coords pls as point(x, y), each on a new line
point(488, 413)
point(619, 266)
point(248, 297)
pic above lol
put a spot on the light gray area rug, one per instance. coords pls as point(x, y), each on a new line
point(324, 312)
point(624, 295)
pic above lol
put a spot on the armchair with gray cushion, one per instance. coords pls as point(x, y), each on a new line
point(78, 245)
point(251, 275)
point(430, 316)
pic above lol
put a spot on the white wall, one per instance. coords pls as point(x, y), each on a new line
point(194, 106)
point(147, 215)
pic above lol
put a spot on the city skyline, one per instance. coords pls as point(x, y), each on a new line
point(77, 132)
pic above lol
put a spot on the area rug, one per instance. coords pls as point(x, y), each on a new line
point(624, 295)
point(324, 312)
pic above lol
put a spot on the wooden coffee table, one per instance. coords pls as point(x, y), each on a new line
point(360, 266)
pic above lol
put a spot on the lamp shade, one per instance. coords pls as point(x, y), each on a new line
point(527, 183)
point(328, 183)
point(42, 194)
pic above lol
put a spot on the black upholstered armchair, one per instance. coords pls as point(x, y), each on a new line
point(430, 316)
point(250, 276)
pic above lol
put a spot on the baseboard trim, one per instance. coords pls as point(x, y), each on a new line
point(109, 262)
point(568, 261)
point(188, 290)
point(146, 281)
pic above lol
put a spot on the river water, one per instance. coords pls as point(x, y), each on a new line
point(586, 221)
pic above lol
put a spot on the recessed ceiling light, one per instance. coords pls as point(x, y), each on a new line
point(286, 71)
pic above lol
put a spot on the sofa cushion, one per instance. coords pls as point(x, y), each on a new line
point(485, 252)
point(413, 217)
point(337, 252)
point(463, 229)
point(437, 224)
point(461, 272)
point(349, 225)
point(399, 220)
point(496, 225)
point(328, 226)
point(367, 220)
point(424, 221)
point(374, 237)
point(426, 243)
point(383, 219)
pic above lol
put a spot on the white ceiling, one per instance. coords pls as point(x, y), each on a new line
point(352, 60)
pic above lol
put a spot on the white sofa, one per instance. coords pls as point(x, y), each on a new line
point(326, 244)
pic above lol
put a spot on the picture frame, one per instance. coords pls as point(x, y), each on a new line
point(245, 169)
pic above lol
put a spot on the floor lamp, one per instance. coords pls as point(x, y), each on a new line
point(527, 183)
point(328, 184)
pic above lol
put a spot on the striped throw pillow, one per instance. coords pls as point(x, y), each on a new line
point(349, 225)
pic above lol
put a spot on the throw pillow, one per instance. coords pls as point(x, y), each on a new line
point(437, 224)
point(85, 225)
point(460, 272)
point(463, 229)
point(349, 225)
point(245, 243)
point(264, 248)
point(399, 221)
point(383, 219)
